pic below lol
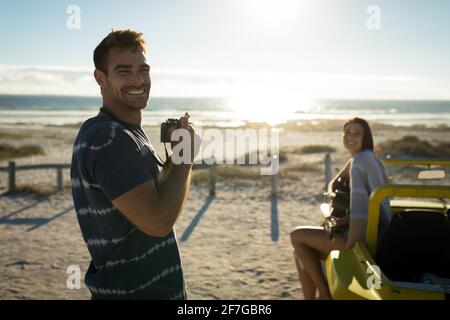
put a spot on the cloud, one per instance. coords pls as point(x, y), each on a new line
point(51, 80)
point(78, 80)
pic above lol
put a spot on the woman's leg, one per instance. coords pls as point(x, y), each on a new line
point(308, 286)
point(311, 243)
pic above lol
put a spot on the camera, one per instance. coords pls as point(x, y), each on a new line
point(165, 129)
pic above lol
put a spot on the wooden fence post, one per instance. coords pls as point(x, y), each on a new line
point(59, 178)
point(274, 179)
point(327, 169)
point(274, 184)
point(12, 176)
point(212, 179)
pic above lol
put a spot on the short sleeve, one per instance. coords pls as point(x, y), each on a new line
point(117, 165)
point(359, 194)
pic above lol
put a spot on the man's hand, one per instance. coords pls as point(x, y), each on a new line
point(194, 140)
point(155, 209)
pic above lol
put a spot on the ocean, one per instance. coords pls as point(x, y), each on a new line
point(62, 110)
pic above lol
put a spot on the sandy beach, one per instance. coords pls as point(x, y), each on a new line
point(234, 246)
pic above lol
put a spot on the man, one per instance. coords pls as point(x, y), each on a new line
point(126, 203)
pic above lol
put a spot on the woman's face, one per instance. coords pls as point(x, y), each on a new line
point(353, 137)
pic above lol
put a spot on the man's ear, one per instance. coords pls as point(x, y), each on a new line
point(100, 77)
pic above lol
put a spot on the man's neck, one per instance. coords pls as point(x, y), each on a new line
point(124, 114)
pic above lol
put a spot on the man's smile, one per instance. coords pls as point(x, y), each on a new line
point(137, 92)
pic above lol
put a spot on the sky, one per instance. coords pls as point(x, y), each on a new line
point(301, 49)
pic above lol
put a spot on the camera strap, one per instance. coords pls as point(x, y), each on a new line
point(124, 124)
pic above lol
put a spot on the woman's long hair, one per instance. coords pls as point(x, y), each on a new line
point(367, 140)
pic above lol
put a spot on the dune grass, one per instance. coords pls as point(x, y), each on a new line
point(303, 167)
point(227, 173)
point(412, 146)
point(242, 172)
point(282, 156)
point(312, 149)
point(17, 136)
point(9, 152)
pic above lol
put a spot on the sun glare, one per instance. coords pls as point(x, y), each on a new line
point(274, 13)
point(266, 104)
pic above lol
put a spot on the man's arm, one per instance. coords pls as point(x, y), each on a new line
point(154, 210)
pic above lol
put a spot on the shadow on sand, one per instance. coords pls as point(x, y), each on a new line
point(186, 234)
point(34, 223)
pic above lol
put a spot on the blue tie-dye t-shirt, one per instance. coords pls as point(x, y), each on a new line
point(110, 158)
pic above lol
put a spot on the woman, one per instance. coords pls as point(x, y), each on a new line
point(313, 244)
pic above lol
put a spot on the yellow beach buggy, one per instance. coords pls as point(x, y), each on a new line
point(355, 274)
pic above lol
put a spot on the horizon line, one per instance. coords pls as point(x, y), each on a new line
point(222, 97)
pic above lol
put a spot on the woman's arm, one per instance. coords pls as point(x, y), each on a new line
point(357, 232)
point(345, 172)
point(359, 205)
point(343, 221)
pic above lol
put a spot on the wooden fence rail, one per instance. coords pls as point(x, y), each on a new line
point(12, 169)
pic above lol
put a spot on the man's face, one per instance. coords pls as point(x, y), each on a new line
point(128, 78)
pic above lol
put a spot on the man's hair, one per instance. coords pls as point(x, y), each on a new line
point(367, 140)
point(127, 38)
